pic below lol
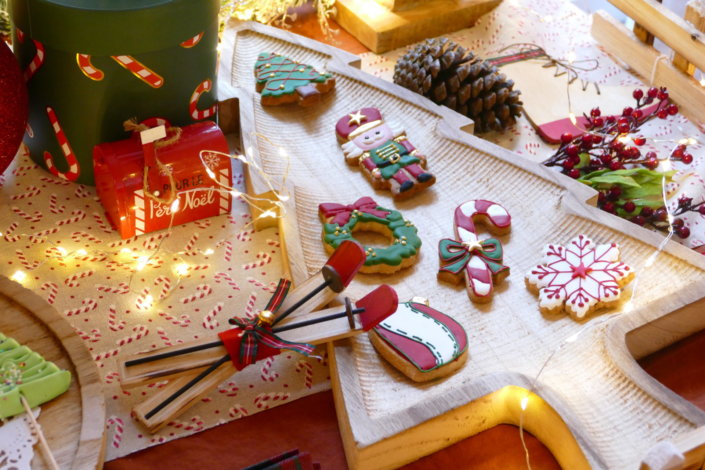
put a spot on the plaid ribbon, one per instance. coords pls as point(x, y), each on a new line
point(455, 256)
point(341, 213)
point(250, 334)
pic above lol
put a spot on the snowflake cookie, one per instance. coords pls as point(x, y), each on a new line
point(579, 278)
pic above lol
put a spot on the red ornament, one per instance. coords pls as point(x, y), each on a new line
point(14, 106)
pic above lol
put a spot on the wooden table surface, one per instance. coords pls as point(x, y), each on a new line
point(310, 424)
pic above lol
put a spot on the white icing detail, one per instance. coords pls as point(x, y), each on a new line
point(495, 210)
point(468, 208)
point(466, 235)
point(419, 327)
point(481, 288)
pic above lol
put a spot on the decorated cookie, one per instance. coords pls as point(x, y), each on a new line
point(280, 80)
point(340, 221)
point(383, 153)
point(477, 262)
point(25, 373)
point(423, 343)
point(579, 278)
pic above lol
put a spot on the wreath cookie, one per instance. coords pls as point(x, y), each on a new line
point(579, 278)
point(280, 80)
point(341, 221)
point(423, 343)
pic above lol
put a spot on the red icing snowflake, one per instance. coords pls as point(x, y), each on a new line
point(580, 277)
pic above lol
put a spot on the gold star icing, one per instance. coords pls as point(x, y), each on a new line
point(357, 118)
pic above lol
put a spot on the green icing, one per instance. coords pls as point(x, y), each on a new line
point(394, 254)
point(24, 372)
point(282, 76)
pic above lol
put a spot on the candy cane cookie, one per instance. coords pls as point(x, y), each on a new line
point(74, 170)
point(478, 261)
point(139, 70)
point(199, 114)
point(88, 69)
point(191, 42)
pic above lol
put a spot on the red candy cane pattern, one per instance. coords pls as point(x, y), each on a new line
point(119, 426)
point(77, 216)
point(263, 258)
point(166, 286)
point(199, 114)
point(10, 230)
point(35, 217)
point(25, 262)
point(266, 372)
point(113, 322)
point(121, 288)
point(74, 170)
point(237, 411)
point(88, 69)
point(104, 226)
point(53, 290)
point(264, 400)
point(210, 322)
point(202, 290)
point(189, 43)
point(139, 70)
point(225, 277)
point(196, 424)
point(182, 321)
point(479, 279)
point(54, 206)
point(88, 305)
point(305, 367)
point(80, 236)
point(72, 281)
point(228, 389)
point(30, 191)
point(140, 331)
point(38, 59)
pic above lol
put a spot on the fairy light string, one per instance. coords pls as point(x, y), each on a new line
point(136, 261)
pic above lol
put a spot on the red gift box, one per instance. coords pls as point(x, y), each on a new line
point(119, 170)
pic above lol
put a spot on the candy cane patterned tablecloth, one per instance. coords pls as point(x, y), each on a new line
point(46, 220)
point(563, 31)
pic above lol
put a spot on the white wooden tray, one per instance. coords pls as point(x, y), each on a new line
point(594, 406)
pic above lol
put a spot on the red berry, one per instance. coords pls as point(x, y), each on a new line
point(652, 92)
point(610, 119)
point(672, 109)
point(637, 114)
point(574, 159)
point(615, 166)
point(632, 152)
point(646, 211)
point(651, 163)
point(687, 158)
point(608, 207)
point(662, 94)
point(623, 125)
point(629, 206)
point(594, 112)
point(574, 173)
point(586, 140)
point(572, 149)
point(678, 152)
point(566, 137)
point(606, 158)
point(601, 197)
point(627, 111)
point(660, 214)
point(662, 114)
point(595, 162)
point(684, 232)
point(638, 219)
point(638, 94)
point(639, 140)
point(677, 223)
point(701, 209)
point(568, 164)
point(615, 192)
point(598, 122)
point(596, 139)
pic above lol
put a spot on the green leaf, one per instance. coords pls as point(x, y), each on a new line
point(584, 160)
point(611, 179)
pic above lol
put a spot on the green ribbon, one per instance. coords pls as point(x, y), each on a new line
point(455, 255)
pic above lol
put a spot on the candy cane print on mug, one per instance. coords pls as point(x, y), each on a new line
point(467, 256)
point(74, 170)
point(200, 114)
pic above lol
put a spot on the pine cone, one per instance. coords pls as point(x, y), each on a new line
point(448, 74)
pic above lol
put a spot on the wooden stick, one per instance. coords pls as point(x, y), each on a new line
point(616, 39)
point(694, 15)
point(43, 444)
point(677, 33)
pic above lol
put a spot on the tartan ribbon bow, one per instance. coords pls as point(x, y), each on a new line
point(243, 342)
point(342, 213)
point(456, 255)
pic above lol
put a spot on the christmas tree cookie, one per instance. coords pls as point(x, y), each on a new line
point(25, 373)
point(423, 343)
point(280, 80)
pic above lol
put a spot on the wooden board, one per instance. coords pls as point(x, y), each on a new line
point(74, 422)
point(382, 29)
point(593, 406)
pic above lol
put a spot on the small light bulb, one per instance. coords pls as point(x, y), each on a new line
point(268, 213)
point(625, 139)
point(283, 197)
point(628, 307)
point(208, 252)
point(235, 193)
point(282, 152)
point(81, 252)
point(571, 57)
point(62, 251)
point(19, 276)
point(148, 301)
point(181, 269)
point(572, 338)
point(142, 261)
point(175, 205)
point(650, 260)
point(524, 402)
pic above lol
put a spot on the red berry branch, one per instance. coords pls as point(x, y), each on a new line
point(608, 158)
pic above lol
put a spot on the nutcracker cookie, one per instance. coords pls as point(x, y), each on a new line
point(341, 221)
point(469, 259)
point(421, 342)
point(579, 278)
point(383, 152)
point(280, 80)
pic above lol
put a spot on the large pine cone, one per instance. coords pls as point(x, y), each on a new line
point(450, 75)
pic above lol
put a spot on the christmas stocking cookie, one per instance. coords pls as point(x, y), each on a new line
point(383, 152)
